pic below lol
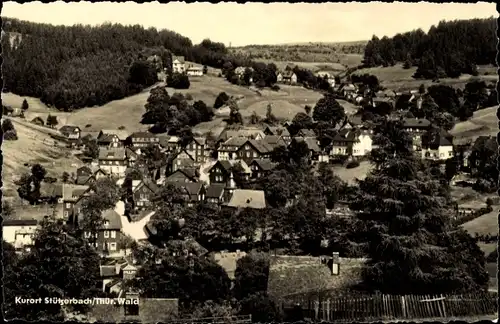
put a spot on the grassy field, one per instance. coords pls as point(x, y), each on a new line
point(483, 123)
point(350, 175)
point(399, 79)
point(33, 146)
point(486, 224)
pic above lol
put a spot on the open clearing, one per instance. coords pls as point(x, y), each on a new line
point(344, 61)
point(484, 122)
point(33, 146)
point(486, 224)
point(399, 79)
point(350, 175)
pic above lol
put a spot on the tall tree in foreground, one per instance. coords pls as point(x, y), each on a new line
point(412, 246)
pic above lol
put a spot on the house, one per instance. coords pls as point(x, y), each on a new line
point(118, 136)
point(169, 143)
point(197, 148)
point(274, 141)
point(416, 125)
point(437, 146)
point(377, 101)
point(316, 154)
point(132, 156)
point(19, 233)
point(72, 200)
point(351, 142)
point(38, 121)
point(194, 71)
point(194, 192)
point(261, 167)
point(144, 193)
point(70, 132)
point(326, 75)
point(140, 140)
point(468, 208)
point(223, 170)
point(89, 135)
point(229, 149)
point(184, 175)
point(87, 175)
point(107, 239)
point(278, 131)
point(240, 72)
point(246, 198)
point(286, 77)
point(215, 193)
point(348, 90)
point(254, 149)
point(297, 276)
point(113, 161)
point(178, 64)
point(50, 193)
point(175, 161)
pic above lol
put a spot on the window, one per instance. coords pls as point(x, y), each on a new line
point(106, 234)
point(68, 205)
point(441, 155)
point(113, 234)
point(112, 246)
point(248, 154)
point(66, 214)
point(87, 235)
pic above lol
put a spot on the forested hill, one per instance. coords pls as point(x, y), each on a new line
point(448, 49)
point(79, 66)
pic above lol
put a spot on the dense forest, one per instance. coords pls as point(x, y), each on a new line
point(78, 66)
point(447, 50)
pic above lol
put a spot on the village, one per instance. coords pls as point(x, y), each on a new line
point(266, 209)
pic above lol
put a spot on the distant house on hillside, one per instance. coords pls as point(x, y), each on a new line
point(178, 64)
point(140, 140)
point(351, 142)
point(70, 132)
point(328, 76)
point(240, 72)
point(286, 77)
point(38, 121)
point(194, 71)
point(112, 138)
point(437, 145)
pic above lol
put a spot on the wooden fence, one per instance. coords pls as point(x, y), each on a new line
point(392, 307)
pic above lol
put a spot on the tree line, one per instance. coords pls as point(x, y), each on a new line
point(448, 49)
point(84, 66)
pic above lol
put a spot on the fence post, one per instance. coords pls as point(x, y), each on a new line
point(316, 309)
point(403, 306)
point(328, 309)
point(443, 305)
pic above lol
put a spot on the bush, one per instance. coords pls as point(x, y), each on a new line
point(10, 135)
point(275, 87)
point(485, 186)
point(88, 125)
point(221, 100)
point(189, 96)
point(121, 127)
point(352, 165)
point(178, 81)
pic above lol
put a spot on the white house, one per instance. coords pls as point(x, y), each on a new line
point(351, 141)
point(113, 161)
point(437, 146)
point(178, 64)
point(19, 232)
point(194, 71)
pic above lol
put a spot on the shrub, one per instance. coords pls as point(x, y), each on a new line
point(121, 127)
point(221, 100)
point(275, 87)
point(352, 165)
point(88, 125)
point(10, 135)
point(178, 81)
point(189, 96)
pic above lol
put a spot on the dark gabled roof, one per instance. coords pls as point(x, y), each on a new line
point(436, 139)
point(112, 154)
point(190, 173)
point(192, 188)
point(290, 275)
point(261, 146)
point(149, 184)
point(346, 135)
point(264, 164)
point(306, 133)
point(215, 190)
point(120, 133)
point(69, 129)
point(113, 218)
point(19, 222)
point(85, 169)
point(310, 142)
point(172, 156)
point(142, 135)
point(224, 164)
point(81, 180)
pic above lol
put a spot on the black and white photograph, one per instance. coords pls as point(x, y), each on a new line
point(251, 162)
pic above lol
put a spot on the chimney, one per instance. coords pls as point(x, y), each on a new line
point(335, 264)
